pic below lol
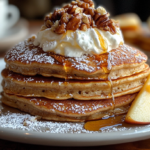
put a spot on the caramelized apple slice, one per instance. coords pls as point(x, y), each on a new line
point(139, 112)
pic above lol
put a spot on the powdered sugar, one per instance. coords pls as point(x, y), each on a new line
point(127, 55)
point(14, 119)
point(82, 63)
point(74, 107)
point(27, 53)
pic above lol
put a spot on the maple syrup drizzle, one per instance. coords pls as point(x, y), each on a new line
point(109, 122)
point(66, 77)
point(107, 70)
point(107, 67)
point(102, 42)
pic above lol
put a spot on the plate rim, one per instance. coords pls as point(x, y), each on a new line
point(77, 139)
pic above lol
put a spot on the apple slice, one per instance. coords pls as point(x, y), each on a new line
point(139, 112)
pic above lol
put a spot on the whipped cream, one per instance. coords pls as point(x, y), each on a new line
point(77, 43)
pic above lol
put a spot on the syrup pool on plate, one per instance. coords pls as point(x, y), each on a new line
point(109, 123)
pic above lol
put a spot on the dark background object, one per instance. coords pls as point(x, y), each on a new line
point(36, 9)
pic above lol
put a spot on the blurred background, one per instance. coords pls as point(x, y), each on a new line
point(36, 9)
point(32, 13)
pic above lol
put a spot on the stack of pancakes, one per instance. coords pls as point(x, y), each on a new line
point(73, 89)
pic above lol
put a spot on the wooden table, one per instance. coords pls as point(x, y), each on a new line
point(7, 145)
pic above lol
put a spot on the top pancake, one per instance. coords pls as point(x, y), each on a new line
point(27, 59)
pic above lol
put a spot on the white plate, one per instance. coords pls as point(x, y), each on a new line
point(57, 138)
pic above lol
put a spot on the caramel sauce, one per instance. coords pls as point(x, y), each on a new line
point(102, 42)
point(148, 88)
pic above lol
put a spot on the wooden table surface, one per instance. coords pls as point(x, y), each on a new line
point(7, 145)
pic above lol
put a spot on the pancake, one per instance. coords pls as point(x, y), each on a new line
point(27, 59)
point(59, 89)
point(69, 110)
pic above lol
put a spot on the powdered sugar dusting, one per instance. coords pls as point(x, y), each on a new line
point(82, 63)
point(15, 120)
point(127, 55)
point(75, 107)
point(27, 53)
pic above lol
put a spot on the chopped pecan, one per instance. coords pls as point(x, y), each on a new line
point(85, 19)
point(65, 18)
point(71, 9)
point(79, 10)
point(55, 25)
point(101, 10)
point(101, 19)
point(74, 22)
point(74, 3)
point(61, 29)
point(48, 17)
point(104, 23)
point(82, 4)
point(90, 2)
point(89, 11)
point(67, 6)
point(57, 14)
point(84, 27)
point(48, 23)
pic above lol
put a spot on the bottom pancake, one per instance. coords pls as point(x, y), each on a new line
point(69, 110)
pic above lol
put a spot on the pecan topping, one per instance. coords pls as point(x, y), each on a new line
point(83, 27)
point(74, 22)
point(61, 29)
point(80, 14)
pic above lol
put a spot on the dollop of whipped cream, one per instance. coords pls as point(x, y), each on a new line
point(77, 43)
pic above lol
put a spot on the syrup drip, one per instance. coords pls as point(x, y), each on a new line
point(113, 98)
point(107, 69)
point(111, 122)
point(66, 77)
